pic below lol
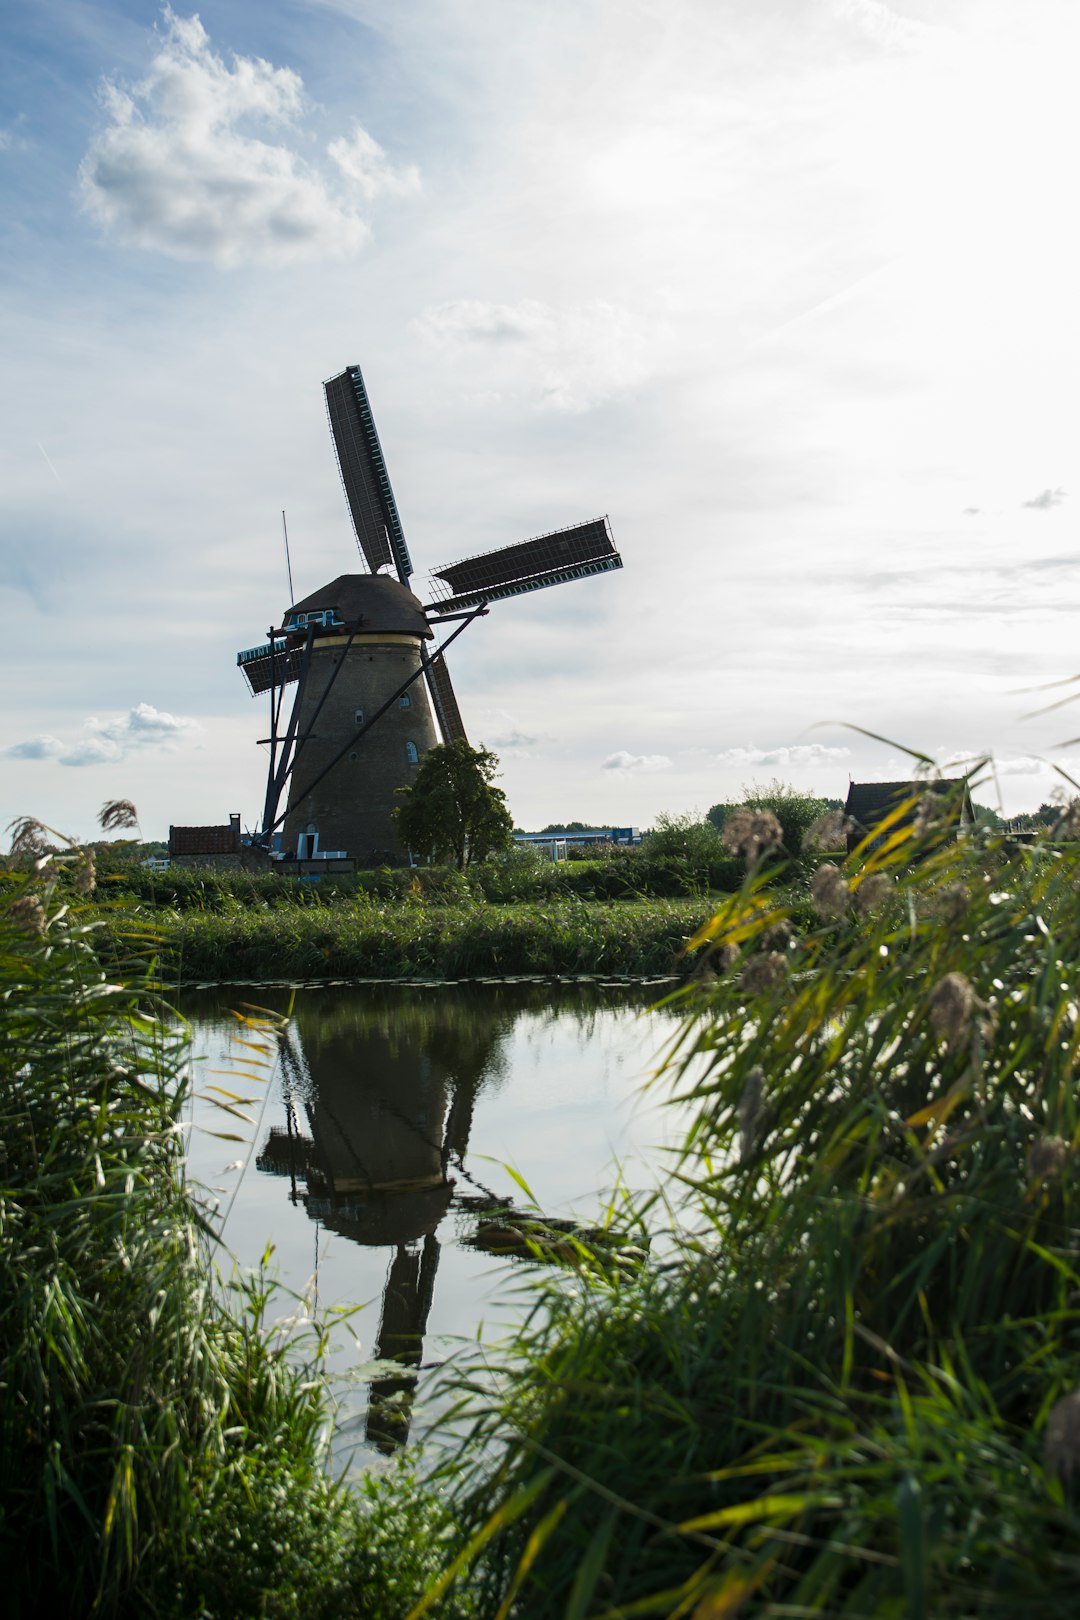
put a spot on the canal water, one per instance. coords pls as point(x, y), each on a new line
point(383, 1131)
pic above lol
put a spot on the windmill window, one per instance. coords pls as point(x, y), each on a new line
point(358, 717)
point(405, 701)
point(411, 754)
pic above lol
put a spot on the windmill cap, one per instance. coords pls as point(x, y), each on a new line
point(380, 603)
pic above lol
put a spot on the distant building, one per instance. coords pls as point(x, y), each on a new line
point(207, 846)
point(871, 803)
point(555, 844)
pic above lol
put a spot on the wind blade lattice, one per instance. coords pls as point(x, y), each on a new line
point(363, 474)
point(444, 700)
point(549, 559)
point(268, 666)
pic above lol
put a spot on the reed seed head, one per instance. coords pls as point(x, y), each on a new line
point(1061, 1445)
point(952, 1002)
point(827, 832)
point(829, 891)
point(871, 893)
point(751, 833)
point(764, 971)
point(955, 899)
point(117, 813)
point(85, 873)
point(28, 915)
point(777, 937)
point(28, 840)
point(1046, 1156)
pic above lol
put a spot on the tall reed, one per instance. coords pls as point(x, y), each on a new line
point(853, 1386)
point(157, 1457)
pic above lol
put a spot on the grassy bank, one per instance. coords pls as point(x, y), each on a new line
point(157, 1456)
point(853, 1388)
point(369, 940)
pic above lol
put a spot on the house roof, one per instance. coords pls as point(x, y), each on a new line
point(870, 802)
point(378, 601)
point(205, 840)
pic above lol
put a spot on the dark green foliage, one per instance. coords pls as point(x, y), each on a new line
point(453, 809)
point(1044, 818)
point(683, 838)
point(576, 827)
point(838, 1394)
point(796, 811)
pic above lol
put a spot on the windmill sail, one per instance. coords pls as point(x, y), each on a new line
point(363, 473)
point(444, 700)
point(550, 559)
point(267, 666)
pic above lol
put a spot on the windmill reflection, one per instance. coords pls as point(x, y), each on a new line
point(387, 1093)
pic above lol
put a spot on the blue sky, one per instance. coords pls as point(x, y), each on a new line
point(787, 289)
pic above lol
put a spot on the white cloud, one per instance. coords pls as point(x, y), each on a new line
point(880, 23)
point(174, 171)
point(105, 741)
point(11, 140)
point(622, 761)
point(362, 160)
point(798, 756)
point(569, 358)
point(1022, 765)
point(44, 747)
point(1046, 499)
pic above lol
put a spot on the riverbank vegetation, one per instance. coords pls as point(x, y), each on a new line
point(380, 941)
point(846, 1382)
point(159, 1456)
point(626, 911)
point(852, 1386)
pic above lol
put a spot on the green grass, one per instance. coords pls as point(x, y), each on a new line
point(848, 1388)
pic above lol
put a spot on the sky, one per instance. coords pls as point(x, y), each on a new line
point(786, 288)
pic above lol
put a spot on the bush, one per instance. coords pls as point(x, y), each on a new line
point(684, 838)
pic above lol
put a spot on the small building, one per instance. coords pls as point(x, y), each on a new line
point(871, 803)
point(221, 847)
point(555, 844)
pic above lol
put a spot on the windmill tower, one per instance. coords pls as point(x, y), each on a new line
point(373, 692)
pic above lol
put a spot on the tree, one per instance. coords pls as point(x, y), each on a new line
point(575, 827)
point(452, 809)
point(796, 811)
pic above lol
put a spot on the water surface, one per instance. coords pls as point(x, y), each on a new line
point(385, 1119)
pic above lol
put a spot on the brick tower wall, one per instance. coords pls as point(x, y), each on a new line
point(352, 806)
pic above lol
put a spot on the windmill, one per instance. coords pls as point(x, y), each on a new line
point(359, 653)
